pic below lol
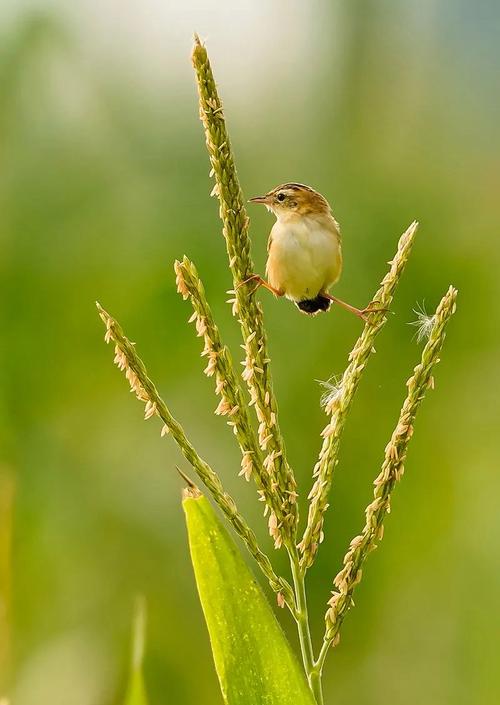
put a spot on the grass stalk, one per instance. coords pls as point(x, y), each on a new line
point(7, 497)
point(128, 361)
point(257, 373)
point(227, 385)
point(263, 451)
point(391, 472)
point(341, 401)
point(304, 630)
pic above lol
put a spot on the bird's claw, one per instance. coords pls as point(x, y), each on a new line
point(373, 307)
point(252, 277)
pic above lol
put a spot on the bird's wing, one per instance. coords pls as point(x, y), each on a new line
point(336, 227)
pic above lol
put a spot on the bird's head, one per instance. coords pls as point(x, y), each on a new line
point(293, 199)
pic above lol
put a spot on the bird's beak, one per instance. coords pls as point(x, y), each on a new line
point(259, 199)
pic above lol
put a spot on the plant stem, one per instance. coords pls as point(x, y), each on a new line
point(302, 617)
point(392, 471)
point(129, 362)
point(320, 661)
point(257, 372)
point(341, 403)
point(227, 386)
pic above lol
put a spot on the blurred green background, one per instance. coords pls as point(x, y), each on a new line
point(391, 110)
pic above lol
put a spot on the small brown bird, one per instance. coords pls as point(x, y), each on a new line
point(304, 249)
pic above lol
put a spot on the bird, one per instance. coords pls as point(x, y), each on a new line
point(304, 250)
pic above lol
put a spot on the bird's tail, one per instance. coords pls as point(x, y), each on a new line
point(312, 306)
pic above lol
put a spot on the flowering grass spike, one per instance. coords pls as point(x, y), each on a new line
point(263, 456)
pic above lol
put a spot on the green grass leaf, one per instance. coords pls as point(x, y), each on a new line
point(253, 658)
point(136, 690)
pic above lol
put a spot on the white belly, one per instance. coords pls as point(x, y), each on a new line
point(304, 259)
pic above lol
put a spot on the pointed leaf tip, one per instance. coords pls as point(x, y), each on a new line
point(191, 490)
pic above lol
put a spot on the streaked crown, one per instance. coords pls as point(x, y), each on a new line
point(294, 197)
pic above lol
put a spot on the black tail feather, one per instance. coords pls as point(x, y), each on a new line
point(312, 306)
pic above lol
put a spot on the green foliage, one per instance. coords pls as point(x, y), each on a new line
point(226, 631)
point(103, 185)
point(254, 661)
point(136, 690)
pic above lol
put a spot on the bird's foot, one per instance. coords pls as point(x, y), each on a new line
point(363, 313)
point(373, 307)
point(260, 282)
point(252, 278)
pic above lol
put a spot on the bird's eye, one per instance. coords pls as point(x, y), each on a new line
point(281, 197)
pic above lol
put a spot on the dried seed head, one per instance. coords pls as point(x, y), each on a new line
point(247, 465)
point(224, 407)
point(150, 409)
point(179, 280)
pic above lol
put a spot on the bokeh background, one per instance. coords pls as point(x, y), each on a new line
point(390, 109)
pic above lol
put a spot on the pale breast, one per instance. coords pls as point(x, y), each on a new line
point(304, 258)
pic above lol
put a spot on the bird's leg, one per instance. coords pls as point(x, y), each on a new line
point(261, 282)
point(361, 313)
